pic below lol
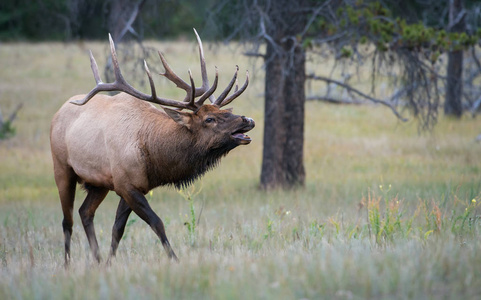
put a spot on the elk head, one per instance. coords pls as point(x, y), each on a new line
point(215, 127)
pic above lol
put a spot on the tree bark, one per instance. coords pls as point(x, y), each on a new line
point(282, 160)
point(454, 88)
point(272, 174)
point(294, 98)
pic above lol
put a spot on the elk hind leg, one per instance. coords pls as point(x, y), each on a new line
point(94, 197)
point(66, 181)
point(137, 202)
point(121, 217)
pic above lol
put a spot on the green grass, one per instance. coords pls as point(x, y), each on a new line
point(340, 237)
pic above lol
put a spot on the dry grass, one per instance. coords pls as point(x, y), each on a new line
point(311, 243)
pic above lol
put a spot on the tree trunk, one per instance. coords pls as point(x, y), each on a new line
point(282, 162)
point(454, 88)
point(272, 173)
point(294, 99)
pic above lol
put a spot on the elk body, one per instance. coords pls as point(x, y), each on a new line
point(124, 144)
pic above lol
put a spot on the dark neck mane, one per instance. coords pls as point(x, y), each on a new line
point(175, 158)
point(201, 165)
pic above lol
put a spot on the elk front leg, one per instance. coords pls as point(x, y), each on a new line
point(137, 202)
point(94, 197)
point(121, 217)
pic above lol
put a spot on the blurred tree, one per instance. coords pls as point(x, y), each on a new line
point(454, 86)
point(33, 19)
point(356, 31)
point(92, 19)
point(285, 59)
point(280, 25)
point(455, 17)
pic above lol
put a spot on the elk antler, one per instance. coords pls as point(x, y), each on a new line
point(204, 92)
point(222, 100)
point(219, 101)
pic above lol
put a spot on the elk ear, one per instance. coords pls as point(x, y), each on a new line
point(230, 109)
point(181, 118)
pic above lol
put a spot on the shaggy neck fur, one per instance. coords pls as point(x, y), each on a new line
point(174, 156)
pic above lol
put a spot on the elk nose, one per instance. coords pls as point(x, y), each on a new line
point(247, 120)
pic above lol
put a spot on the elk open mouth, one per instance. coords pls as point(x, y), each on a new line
point(240, 137)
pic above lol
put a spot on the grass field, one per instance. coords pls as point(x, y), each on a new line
point(386, 213)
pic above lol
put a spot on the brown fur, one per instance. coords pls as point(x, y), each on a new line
point(122, 144)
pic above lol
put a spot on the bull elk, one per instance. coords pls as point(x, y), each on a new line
point(124, 144)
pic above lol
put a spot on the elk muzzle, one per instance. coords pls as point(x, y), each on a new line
point(239, 135)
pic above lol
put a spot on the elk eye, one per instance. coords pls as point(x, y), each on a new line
point(209, 120)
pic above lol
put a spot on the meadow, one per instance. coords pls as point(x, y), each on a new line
point(387, 212)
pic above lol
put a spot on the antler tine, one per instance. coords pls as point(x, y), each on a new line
point(236, 85)
point(95, 71)
point(151, 81)
point(203, 69)
point(210, 91)
point(170, 74)
point(94, 67)
point(115, 62)
point(100, 85)
point(236, 93)
point(192, 95)
point(222, 96)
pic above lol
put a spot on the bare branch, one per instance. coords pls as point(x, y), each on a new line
point(356, 91)
point(130, 21)
point(333, 100)
point(13, 115)
point(254, 54)
point(313, 17)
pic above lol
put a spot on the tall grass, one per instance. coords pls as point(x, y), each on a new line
point(386, 212)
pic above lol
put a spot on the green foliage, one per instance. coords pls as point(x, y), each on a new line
point(372, 21)
point(386, 224)
point(316, 229)
point(395, 224)
point(23, 19)
point(465, 222)
point(269, 230)
point(61, 20)
point(346, 52)
point(174, 18)
point(6, 130)
point(189, 195)
point(384, 220)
